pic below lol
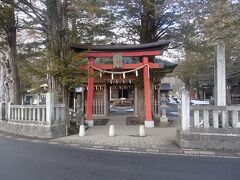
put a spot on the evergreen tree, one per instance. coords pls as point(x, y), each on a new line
point(8, 50)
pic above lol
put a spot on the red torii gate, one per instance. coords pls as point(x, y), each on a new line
point(144, 50)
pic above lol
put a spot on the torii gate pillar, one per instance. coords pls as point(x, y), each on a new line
point(89, 113)
point(147, 95)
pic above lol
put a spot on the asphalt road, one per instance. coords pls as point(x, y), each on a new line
point(21, 160)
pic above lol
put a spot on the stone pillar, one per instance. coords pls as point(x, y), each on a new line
point(185, 111)
point(147, 95)
point(50, 108)
point(234, 119)
point(38, 114)
point(220, 74)
point(8, 111)
point(90, 95)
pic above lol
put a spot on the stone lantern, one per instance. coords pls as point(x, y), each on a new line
point(164, 119)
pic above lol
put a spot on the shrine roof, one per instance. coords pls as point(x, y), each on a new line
point(160, 45)
point(166, 64)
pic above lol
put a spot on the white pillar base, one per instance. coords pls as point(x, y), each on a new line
point(142, 131)
point(111, 131)
point(82, 131)
point(149, 124)
point(90, 123)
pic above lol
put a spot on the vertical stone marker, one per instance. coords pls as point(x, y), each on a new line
point(50, 108)
point(220, 74)
point(185, 111)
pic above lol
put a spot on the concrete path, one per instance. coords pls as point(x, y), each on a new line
point(126, 137)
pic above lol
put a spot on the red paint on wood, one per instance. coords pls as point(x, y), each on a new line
point(147, 91)
point(90, 91)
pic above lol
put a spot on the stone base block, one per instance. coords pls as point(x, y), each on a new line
point(164, 119)
point(164, 124)
point(34, 130)
point(149, 124)
point(90, 123)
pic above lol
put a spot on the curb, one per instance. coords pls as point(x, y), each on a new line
point(194, 153)
point(162, 151)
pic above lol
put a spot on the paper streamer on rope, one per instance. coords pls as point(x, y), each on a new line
point(124, 72)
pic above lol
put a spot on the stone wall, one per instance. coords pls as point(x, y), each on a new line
point(211, 139)
point(41, 121)
point(34, 130)
point(208, 126)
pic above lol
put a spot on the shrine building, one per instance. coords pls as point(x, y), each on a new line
point(115, 72)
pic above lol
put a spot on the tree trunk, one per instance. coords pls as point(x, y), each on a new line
point(66, 95)
point(140, 95)
point(148, 27)
point(147, 34)
point(12, 72)
point(14, 85)
point(228, 94)
point(141, 106)
point(53, 39)
point(58, 45)
point(2, 97)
